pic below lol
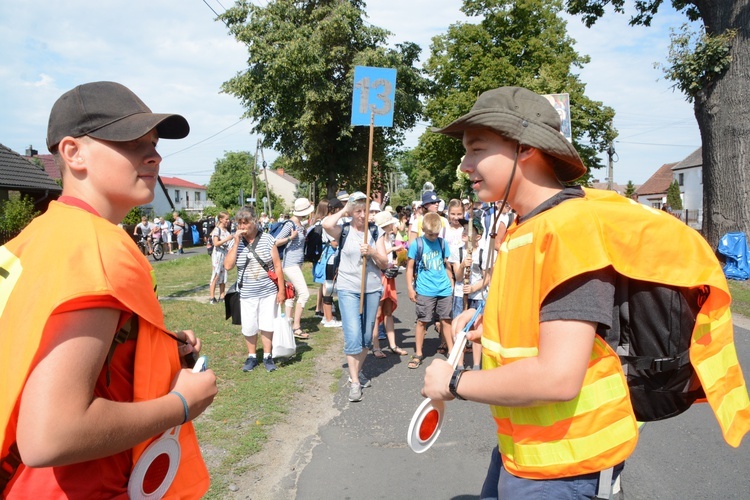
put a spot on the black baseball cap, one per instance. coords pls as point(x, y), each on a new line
point(108, 111)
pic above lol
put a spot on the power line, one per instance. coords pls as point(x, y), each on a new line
point(204, 140)
point(653, 144)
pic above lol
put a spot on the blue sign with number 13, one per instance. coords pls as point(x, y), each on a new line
point(374, 92)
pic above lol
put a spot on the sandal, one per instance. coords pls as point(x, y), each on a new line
point(299, 334)
point(378, 353)
point(398, 350)
point(443, 349)
point(415, 361)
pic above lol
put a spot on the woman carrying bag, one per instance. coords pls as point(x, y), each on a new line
point(293, 237)
point(259, 294)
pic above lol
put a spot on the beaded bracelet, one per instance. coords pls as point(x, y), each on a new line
point(184, 405)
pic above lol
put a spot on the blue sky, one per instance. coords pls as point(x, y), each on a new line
point(175, 57)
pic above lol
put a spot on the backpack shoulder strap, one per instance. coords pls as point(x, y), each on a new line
point(342, 240)
point(418, 256)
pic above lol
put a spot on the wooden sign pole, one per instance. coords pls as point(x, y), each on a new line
point(367, 212)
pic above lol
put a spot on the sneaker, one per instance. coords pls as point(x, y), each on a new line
point(319, 314)
point(363, 381)
point(334, 323)
point(213, 301)
point(355, 393)
point(269, 364)
point(250, 363)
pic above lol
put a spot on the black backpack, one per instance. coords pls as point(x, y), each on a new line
point(652, 330)
point(314, 243)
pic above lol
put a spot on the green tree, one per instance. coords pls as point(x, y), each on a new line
point(232, 173)
point(630, 190)
point(674, 200)
point(133, 217)
point(710, 68)
point(16, 213)
point(298, 87)
point(520, 43)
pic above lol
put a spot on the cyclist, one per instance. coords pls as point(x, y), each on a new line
point(145, 228)
point(156, 231)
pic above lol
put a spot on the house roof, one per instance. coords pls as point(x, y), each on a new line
point(48, 162)
point(659, 182)
point(18, 173)
point(694, 159)
point(283, 175)
point(617, 188)
point(177, 182)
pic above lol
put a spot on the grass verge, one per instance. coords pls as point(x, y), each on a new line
point(740, 291)
point(236, 425)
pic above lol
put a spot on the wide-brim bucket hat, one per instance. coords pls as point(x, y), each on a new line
point(526, 117)
point(302, 207)
point(384, 218)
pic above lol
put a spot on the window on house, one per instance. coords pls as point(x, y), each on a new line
point(176, 195)
point(681, 179)
point(197, 196)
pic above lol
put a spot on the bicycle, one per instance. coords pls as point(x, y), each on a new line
point(157, 252)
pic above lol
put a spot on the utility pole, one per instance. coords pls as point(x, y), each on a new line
point(265, 176)
point(254, 172)
point(610, 170)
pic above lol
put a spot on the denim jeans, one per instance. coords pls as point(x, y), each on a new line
point(458, 305)
point(358, 327)
point(500, 483)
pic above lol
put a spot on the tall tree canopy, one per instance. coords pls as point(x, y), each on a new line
point(299, 82)
point(234, 172)
point(711, 69)
point(522, 43)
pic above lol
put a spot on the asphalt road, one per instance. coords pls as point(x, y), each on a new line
point(363, 454)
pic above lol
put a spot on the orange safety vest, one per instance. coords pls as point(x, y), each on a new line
point(597, 429)
point(100, 259)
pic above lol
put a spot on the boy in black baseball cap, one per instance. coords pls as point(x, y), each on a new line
point(545, 362)
point(91, 375)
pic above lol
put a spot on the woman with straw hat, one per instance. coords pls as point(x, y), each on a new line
point(293, 236)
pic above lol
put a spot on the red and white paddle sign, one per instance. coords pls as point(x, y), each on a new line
point(156, 468)
point(427, 421)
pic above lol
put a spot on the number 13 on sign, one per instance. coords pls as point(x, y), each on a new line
point(374, 94)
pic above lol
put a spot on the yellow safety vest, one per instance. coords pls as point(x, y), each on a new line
point(597, 429)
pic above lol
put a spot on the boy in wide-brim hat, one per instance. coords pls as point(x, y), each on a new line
point(545, 364)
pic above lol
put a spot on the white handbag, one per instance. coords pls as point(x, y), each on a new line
point(283, 343)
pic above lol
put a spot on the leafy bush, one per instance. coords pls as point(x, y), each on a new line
point(133, 217)
point(16, 213)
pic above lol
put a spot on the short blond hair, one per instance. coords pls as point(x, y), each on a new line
point(431, 223)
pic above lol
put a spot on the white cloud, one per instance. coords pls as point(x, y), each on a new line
point(175, 57)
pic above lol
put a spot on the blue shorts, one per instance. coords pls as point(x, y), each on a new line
point(358, 327)
point(500, 483)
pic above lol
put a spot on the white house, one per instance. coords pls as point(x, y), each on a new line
point(283, 185)
point(689, 176)
point(184, 195)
